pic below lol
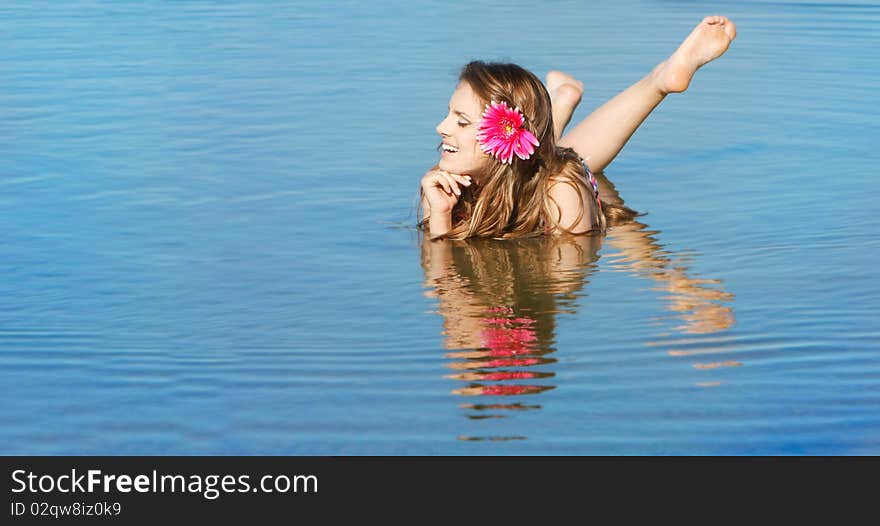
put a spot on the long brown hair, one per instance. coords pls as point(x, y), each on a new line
point(513, 199)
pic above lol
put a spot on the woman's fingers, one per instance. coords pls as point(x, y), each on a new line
point(436, 179)
point(444, 181)
point(463, 179)
point(458, 177)
point(455, 180)
point(453, 184)
point(449, 182)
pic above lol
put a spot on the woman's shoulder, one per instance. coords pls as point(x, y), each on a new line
point(574, 202)
point(569, 173)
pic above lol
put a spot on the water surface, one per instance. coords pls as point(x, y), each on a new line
point(208, 242)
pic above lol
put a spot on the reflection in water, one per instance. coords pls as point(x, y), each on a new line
point(701, 306)
point(699, 303)
point(499, 301)
point(508, 343)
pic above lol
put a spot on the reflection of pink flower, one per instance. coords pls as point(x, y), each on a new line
point(507, 390)
point(508, 342)
point(507, 375)
point(505, 321)
point(502, 133)
point(511, 362)
point(508, 338)
point(511, 352)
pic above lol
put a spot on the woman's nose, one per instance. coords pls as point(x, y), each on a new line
point(441, 128)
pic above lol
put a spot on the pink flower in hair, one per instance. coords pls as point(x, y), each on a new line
point(502, 133)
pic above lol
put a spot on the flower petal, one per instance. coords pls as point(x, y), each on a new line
point(501, 133)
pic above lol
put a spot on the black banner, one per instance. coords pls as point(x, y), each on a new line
point(127, 490)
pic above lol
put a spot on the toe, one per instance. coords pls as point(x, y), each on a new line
point(730, 29)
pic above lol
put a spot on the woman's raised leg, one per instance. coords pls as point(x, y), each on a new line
point(565, 95)
point(600, 137)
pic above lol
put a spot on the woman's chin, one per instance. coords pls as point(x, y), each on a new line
point(453, 168)
point(456, 167)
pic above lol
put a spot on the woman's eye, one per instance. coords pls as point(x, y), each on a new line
point(463, 124)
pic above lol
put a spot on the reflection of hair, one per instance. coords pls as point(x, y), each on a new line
point(513, 199)
point(522, 275)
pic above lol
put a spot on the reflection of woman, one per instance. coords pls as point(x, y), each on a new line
point(534, 277)
point(499, 299)
point(700, 303)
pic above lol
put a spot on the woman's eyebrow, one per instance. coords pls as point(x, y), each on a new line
point(461, 113)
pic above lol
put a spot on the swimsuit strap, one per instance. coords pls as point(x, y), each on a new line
point(593, 183)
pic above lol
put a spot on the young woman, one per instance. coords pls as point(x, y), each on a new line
point(505, 173)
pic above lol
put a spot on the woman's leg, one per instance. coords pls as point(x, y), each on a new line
point(600, 137)
point(565, 95)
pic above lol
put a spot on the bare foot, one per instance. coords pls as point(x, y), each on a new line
point(565, 95)
point(708, 41)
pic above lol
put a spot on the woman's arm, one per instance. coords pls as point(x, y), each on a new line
point(443, 189)
point(439, 223)
point(425, 208)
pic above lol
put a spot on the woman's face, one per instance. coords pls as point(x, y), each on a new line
point(460, 152)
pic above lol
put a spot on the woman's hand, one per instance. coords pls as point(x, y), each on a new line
point(442, 189)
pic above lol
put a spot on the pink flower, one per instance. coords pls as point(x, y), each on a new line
point(502, 134)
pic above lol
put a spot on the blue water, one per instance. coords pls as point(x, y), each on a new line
point(207, 241)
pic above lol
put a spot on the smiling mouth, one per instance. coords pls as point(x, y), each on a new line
point(445, 148)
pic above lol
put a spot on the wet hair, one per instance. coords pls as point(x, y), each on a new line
point(513, 200)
